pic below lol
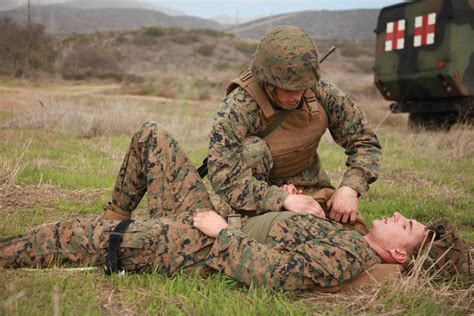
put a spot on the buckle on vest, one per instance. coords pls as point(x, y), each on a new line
point(234, 220)
point(246, 75)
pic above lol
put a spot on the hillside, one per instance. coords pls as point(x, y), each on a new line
point(75, 18)
point(91, 4)
point(60, 19)
point(345, 25)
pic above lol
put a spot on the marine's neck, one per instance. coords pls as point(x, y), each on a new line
point(382, 252)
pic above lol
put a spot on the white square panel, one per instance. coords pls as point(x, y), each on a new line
point(430, 39)
point(400, 43)
point(401, 25)
point(432, 18)
point(418, 21)
point(390, 27)
point(417, 41)
point(388, 46)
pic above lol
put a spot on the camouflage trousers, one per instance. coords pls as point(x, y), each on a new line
point(155, 245)
point(155, 164)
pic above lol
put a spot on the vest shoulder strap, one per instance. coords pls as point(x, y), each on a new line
point(311, 101)
point(282, 115)
point(249, 84)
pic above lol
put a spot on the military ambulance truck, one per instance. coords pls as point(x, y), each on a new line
point(424, 60)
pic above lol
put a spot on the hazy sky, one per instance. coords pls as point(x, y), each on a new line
point(252, 8)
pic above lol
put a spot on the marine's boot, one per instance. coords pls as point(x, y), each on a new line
point(113, 212)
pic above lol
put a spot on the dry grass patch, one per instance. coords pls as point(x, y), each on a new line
point(81, 116)
point(455, 144)
point(45, 195)
point(10, 168)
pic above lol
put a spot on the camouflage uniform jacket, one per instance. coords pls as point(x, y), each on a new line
point(240, 117)
point(302, 252)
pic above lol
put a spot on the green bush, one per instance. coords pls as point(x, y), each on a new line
point(85, 38)
point(206, 50)
point(222, 66)
point(210, 32)
point(151, 87)
point(246, 47)
point(154, 31)
point(24, 50)
point(351, 50)
point(91, 62)
point(185, 39)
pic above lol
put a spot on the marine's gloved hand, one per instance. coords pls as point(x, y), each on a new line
point(303, 204)
point(210, 223)
point(291, 189)
point(344, 205)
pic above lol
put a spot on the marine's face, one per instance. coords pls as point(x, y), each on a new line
point(288, 99)
point(398, 232)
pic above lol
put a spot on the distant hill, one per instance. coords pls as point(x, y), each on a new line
point(91, 4)
point(124, 4)
point(88, 16)
point(344, 25)
point(61, 19)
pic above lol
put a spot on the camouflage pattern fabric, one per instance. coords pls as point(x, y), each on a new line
point(156, 164)
point(165, 245)
point(232, 174)
point(302, 252)
point(286, 57)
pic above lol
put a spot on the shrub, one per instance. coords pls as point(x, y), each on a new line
point(85, 38)
point(222, 66)
point(24, 50)
point(91, 62)
point(185, 39)
point(151, 87)
point(210, 32)
point(246, 47)
point(154, 31)
point(206, 50)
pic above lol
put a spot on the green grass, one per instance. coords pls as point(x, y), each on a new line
point(425, 176)
point(62, 160)
point(152, 294)
point(4, 116)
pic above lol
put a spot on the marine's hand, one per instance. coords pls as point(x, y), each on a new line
point(303, 204)
point(291, 189)
point(344, 205)
point(210, 223)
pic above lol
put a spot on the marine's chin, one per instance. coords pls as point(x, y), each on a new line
point(377, 222)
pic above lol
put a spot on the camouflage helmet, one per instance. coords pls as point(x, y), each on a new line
point(447, 252)
point(286, 58)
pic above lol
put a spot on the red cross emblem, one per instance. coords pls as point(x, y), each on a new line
point(424, 30)
point(395, 35)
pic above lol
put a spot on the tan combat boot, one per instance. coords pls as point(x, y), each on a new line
point(113, 212)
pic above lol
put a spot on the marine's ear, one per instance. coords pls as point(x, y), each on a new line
point(399, 255)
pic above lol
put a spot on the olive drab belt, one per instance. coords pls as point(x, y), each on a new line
point(112, 261)
point(294, 139)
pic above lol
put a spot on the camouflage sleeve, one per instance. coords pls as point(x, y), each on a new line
point(230, 177)
point(349, 128)
point(306, 266)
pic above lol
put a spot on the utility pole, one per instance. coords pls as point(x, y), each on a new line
point(29, 12)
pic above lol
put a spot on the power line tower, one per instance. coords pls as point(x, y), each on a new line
point(29, 12)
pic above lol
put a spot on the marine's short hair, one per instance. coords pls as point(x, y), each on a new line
point(443, 251)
